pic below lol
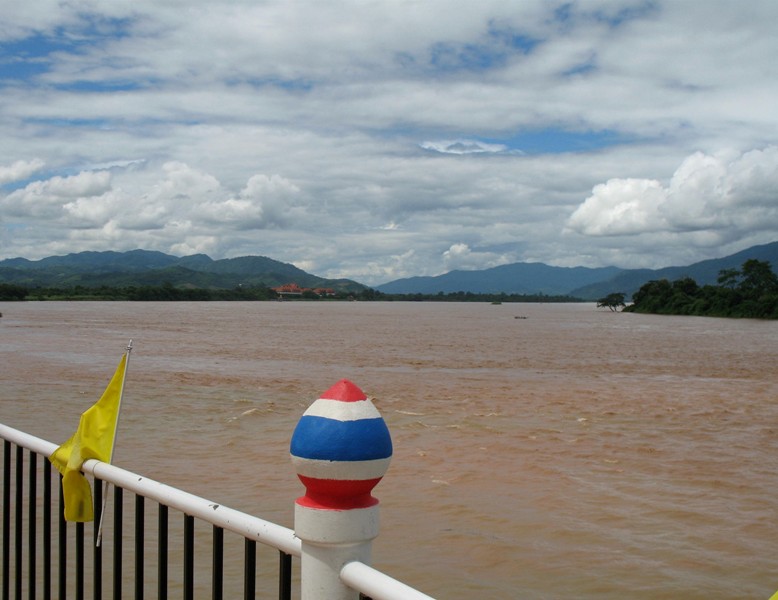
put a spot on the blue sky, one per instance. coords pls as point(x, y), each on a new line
point(389, 139)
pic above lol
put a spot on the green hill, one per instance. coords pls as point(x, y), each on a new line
point(147, 268)
point(704, 272)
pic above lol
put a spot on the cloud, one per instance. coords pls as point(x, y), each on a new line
point(264, 202)
point(384, 145)
point(48, 197)
point(90, 211)
point(718, 198)
point(20, 170)
point(184, 182)
point(621, 207)
point(460, 256)
point(86, 183)
point(463, 147)
point(117, 164)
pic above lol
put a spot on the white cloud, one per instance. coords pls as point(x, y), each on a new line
point(90, 211)
point(183, 181)
point(460, 256)
point(621, 207)
point(20, 170)
point(48, 197)
point(274, 195)
point(463, 147)
point(387, 144)
point(85, 184)
point(709, 201)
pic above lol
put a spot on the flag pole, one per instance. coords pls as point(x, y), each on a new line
point(113, 445)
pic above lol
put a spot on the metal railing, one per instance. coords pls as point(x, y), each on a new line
point(36, 569)
point(221, 519)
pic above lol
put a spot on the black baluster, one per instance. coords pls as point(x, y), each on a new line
point(140, 526)
point(46, 529)
point(188, 557)
point(285, 576)
point(6, 520)
point(217, 576)
point(97, 552)
point(249, 569)
point(32, 523)
point(18, 538)
point(118, 516)
point(162, 553)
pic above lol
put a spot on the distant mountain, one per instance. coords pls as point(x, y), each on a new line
point(705, 272)
point(580, 282)
point(516, 278)
point(134, 260)
point(143, 267)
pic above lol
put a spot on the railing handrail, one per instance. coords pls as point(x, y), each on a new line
point(357, 575)
point(377, 585)
point(253, 528)
point(26, 440)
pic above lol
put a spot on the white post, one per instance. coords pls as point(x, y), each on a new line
point(341, 449)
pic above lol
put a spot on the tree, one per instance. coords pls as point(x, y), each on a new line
point(686, 285)
point(751, 292)
point(728, 278)
point(758, 279)
point(614, 301)
point(9, 291)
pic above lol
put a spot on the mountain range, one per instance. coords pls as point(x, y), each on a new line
point(580, 282)
point(144, 267)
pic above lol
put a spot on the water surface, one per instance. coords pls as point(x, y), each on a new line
point(541, 450)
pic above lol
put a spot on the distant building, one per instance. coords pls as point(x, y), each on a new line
point(289, 289)
point(293, 290)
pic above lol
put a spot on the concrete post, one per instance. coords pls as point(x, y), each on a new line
point(341, 449)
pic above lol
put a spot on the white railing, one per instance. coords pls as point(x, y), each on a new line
point(360, 579)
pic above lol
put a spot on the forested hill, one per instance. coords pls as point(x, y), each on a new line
point(147, 268)
point(748, 292)
point(704, 272)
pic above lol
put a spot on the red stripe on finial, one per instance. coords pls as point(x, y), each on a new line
point(344, 391)
point(329, 494)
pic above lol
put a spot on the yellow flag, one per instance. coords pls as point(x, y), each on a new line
point(93, 439)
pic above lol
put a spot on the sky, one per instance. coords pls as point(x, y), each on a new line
point(382, 139)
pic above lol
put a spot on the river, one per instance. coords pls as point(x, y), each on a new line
point(540, 450)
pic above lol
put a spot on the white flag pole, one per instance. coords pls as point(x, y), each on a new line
point(113, 445)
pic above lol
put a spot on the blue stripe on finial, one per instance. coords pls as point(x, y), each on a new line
point(320, 438)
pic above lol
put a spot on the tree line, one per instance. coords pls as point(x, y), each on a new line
point(462, 296)
point(141, 293)
point(168, 292)
point(748, 292)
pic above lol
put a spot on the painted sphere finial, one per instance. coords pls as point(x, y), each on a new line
point(341, 449)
